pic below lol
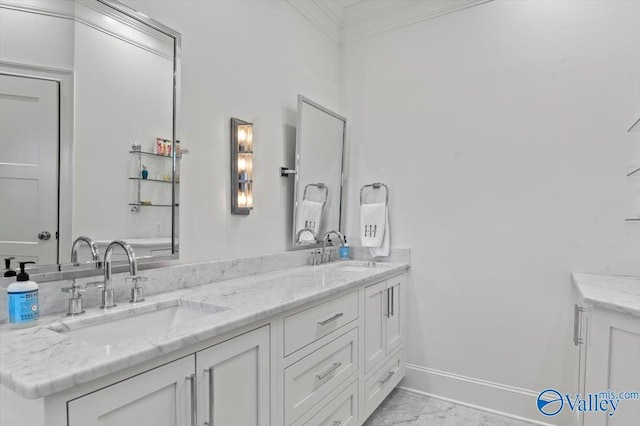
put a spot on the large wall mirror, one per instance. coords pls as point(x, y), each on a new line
point(320, 146)
point(88, 107)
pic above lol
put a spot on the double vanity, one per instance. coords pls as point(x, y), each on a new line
point(263, 340)
point(301, 345)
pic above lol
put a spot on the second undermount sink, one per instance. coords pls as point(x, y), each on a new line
point(118, 325)
point(354, 266)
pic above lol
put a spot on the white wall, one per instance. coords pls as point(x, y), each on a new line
point(501, 132)
point(250, 60)
point(29, 47)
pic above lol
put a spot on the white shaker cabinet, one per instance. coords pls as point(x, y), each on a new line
point(159, 397)
point(331, 361)
point(382, 320)
point(226, 384)
point(234, 383)
point(609, 361)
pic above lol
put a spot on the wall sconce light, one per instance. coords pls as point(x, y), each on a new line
point(241, 166)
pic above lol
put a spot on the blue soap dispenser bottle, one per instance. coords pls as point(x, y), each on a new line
point(24, 306)
point(345, 251)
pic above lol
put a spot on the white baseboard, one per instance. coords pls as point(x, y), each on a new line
point(505, 400)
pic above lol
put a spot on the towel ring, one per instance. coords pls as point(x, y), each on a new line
point(376, 185)
point(320, 186)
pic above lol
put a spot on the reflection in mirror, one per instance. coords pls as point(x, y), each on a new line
point(319, 169)
point(88, 108)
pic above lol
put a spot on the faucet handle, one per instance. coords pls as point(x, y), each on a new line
point(75, 289)
point(135, 279)
point(136, 290)
point(96, 284)
point(75, 301)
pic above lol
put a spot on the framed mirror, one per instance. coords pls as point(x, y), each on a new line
point(88, 141)
point(320, 147)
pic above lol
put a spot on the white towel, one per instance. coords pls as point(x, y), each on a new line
point(309, 217)
point(374, 228)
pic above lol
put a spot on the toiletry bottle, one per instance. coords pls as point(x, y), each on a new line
point(8, 272)
point(345, 250)
point(22, 295)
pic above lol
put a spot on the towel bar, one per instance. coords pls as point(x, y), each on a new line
point(320, 186)
point(375, 185)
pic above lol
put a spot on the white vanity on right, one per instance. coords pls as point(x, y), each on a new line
point(607, 332)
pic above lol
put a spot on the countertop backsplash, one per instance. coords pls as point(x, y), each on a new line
point(53, 300)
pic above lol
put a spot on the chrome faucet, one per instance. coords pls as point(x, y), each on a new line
point(107, 292)
point(325, 237)
point(303, 230)
point(95, 253)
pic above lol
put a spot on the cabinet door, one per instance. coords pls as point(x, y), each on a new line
point(234, 381)
point(394, 337)
point(375, 329)
point(161, 396)
point(613, 364)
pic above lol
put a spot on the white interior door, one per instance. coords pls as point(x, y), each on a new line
point(29, 141)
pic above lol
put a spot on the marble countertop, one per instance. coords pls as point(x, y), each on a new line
point(38, 361)
point(615, 292)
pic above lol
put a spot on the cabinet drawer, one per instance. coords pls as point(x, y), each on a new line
point(308, 326)
point(313, 377)
point(378, 386)
point(340, 411)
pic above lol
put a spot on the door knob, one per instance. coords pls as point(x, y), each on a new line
point(44, 235)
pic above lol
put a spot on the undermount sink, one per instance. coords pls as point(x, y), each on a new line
point(118, 325)
point(354, 266)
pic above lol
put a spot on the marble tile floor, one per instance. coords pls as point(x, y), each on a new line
point(411, 409)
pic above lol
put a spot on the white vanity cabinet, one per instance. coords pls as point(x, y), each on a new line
point(609, 360)
point(382, 320)
point(383, 355)
point(320, 352)
point(227, 384)
point(234, 381)
point(342, 357)
point(159, 397)
point(329, 362)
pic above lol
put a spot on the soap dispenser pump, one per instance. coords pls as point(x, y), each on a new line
point(24, 306)
point(8, 272)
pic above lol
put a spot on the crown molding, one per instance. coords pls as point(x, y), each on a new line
point(393, 16)
point(347, 21)
point(324, 17)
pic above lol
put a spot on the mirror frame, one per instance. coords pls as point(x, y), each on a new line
point(63, 271)
point(301, 101)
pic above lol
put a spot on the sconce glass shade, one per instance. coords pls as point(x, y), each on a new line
point(241, 166)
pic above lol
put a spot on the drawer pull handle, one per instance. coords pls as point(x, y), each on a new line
point(328, 320)
point(194, 398)
point(387, 377)
point(330, 370)
point(209, 371)
point(577, 314)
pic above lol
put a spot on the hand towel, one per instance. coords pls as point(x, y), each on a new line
point(383, 250)
point(309, 217)
point(374, 228)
